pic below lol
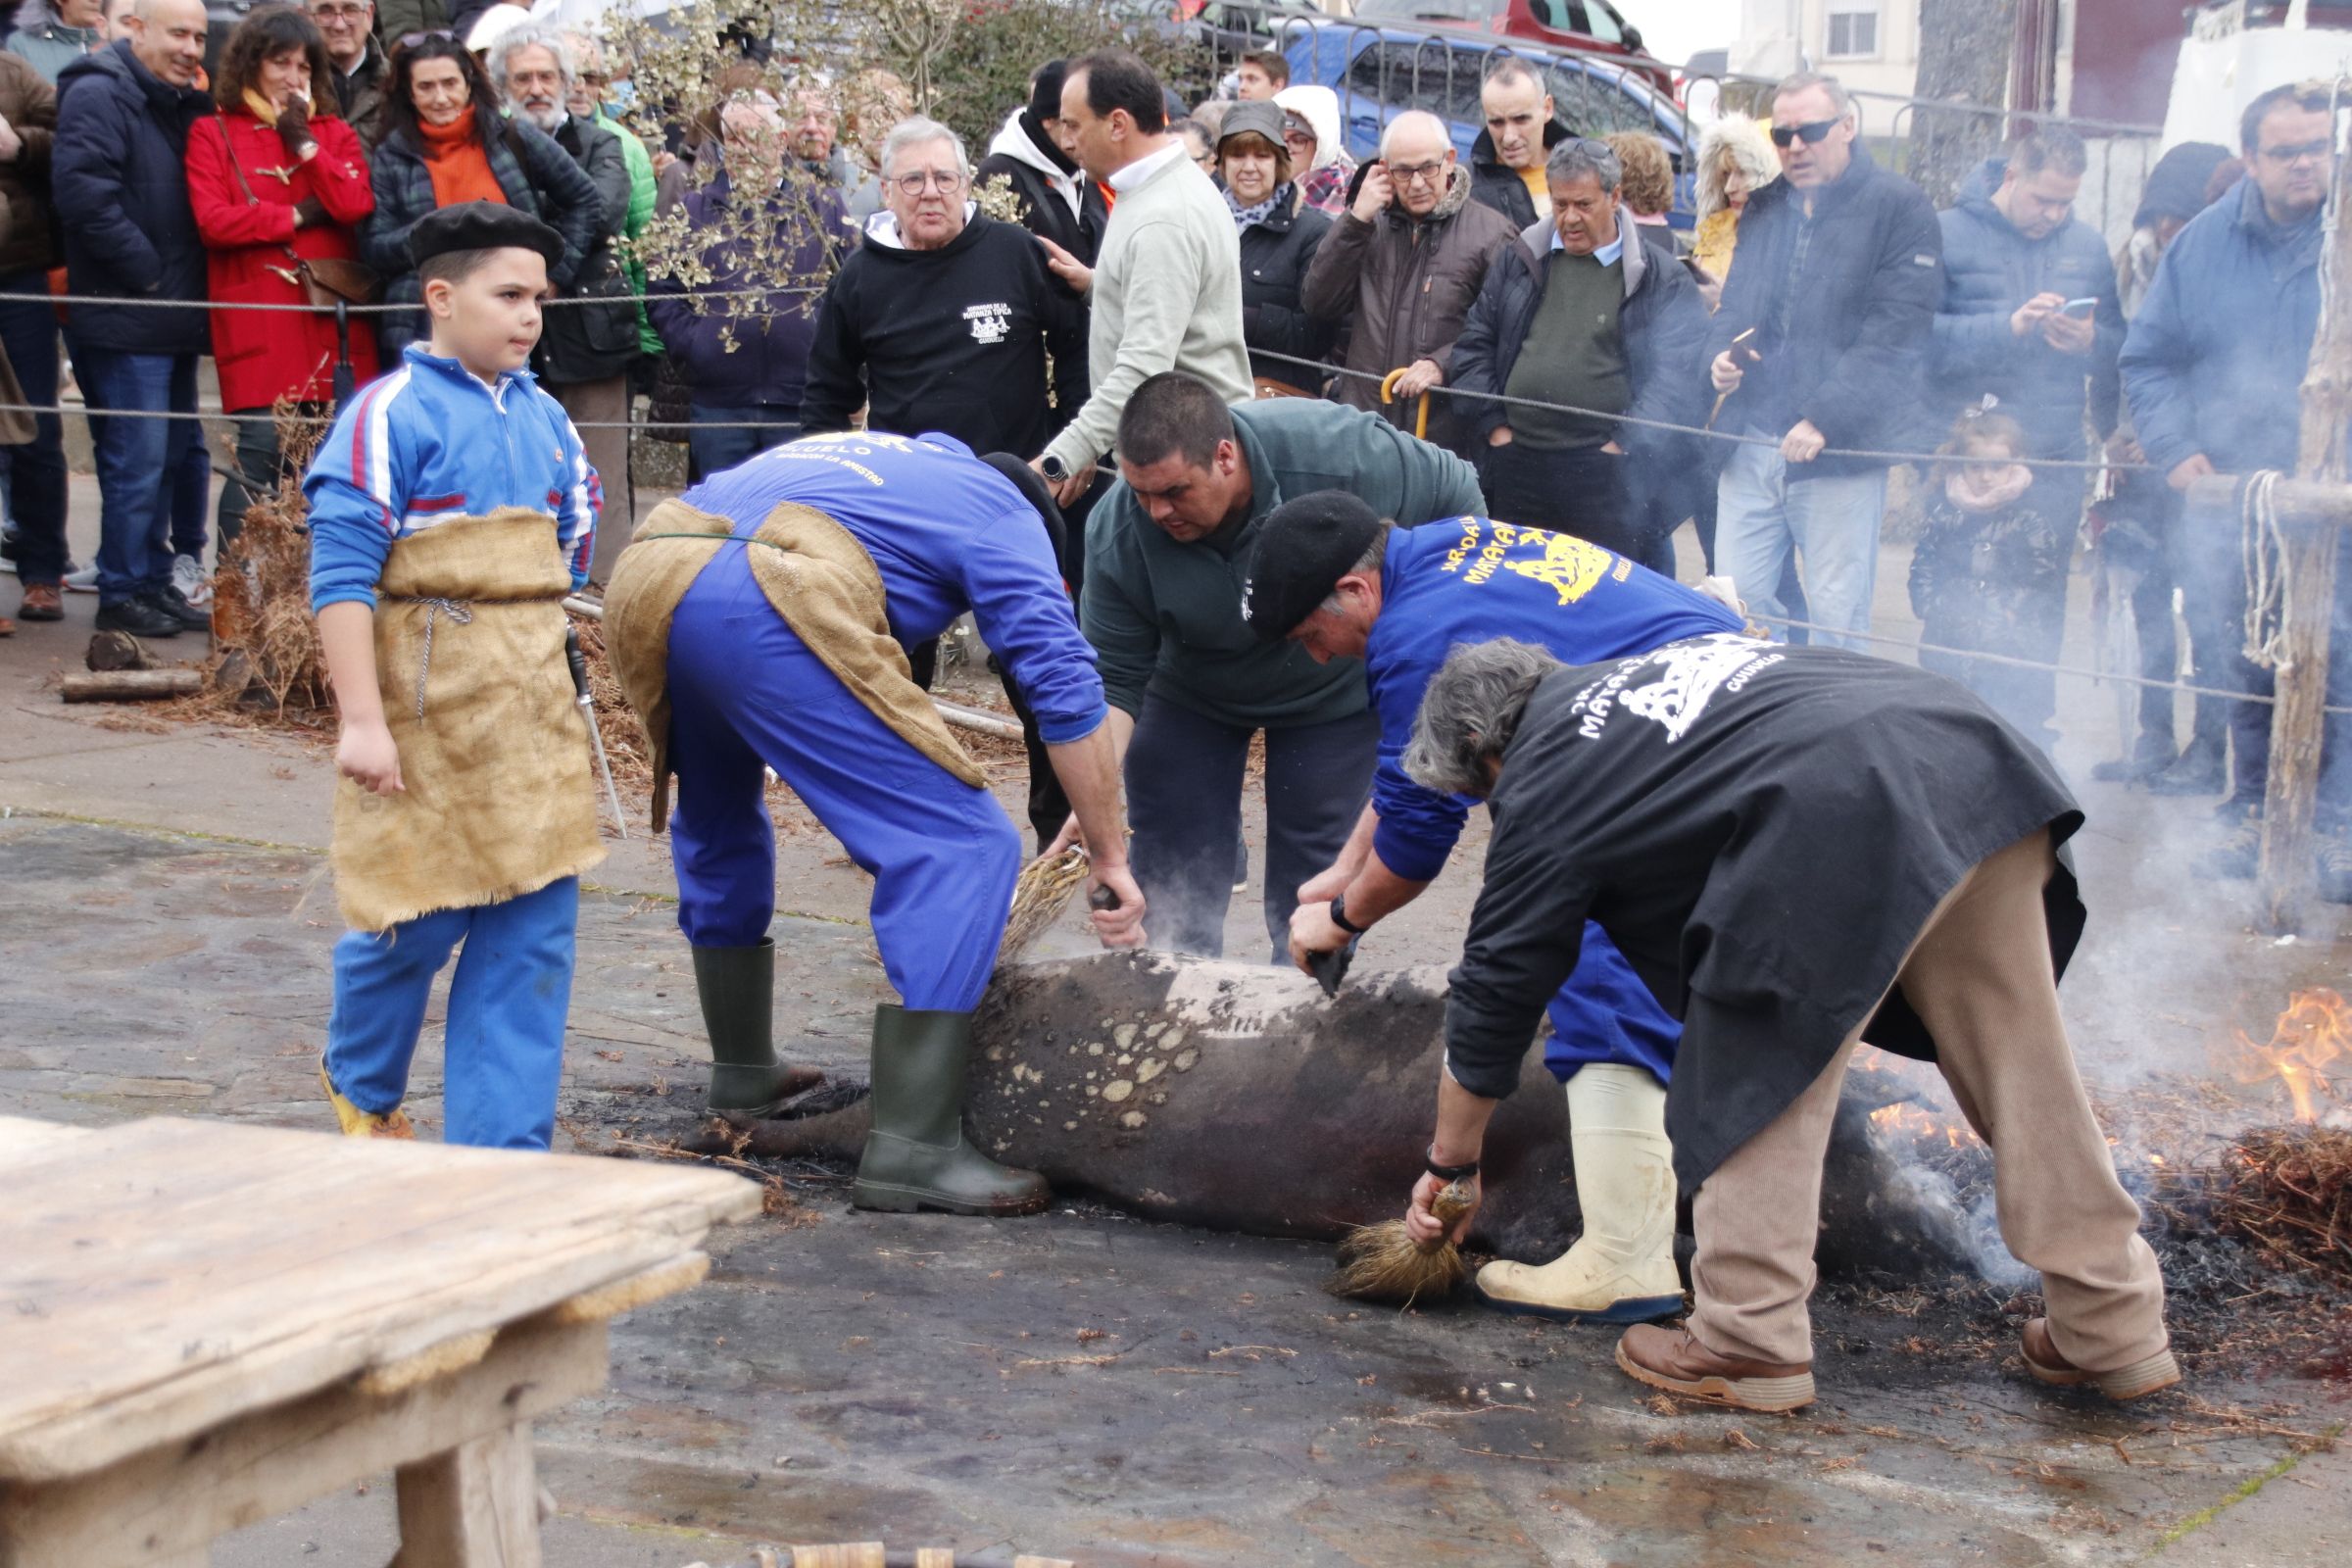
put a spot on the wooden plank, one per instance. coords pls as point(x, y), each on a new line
point(167, 1276)
point(2288, 870)
point(475, 1506)
point(128, 685)
point(846, 1554)
point(182, 1494)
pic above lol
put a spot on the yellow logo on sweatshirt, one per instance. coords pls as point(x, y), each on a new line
point(1570, 565)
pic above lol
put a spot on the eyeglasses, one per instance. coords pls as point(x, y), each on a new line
point(1815, 132)
point(338, 12)
point(945, 181)
point(1299, 138)
point(2313, 151)
point(1414, 174)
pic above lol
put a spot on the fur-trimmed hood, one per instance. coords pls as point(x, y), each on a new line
point(1733, 143)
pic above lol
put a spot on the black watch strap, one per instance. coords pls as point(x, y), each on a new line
point(1338, 916)
point(1447, 1173)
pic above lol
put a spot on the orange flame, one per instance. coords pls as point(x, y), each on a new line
point(2315, 1030)
point(1919, 1123)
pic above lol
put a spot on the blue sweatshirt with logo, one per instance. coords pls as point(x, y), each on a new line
point(1472, 580)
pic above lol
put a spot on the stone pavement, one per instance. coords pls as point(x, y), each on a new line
point(1085, 1384)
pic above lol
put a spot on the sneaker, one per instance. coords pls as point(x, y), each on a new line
point(82, 580)
point(169, 600)
point(2335, 866)
point(41, 603)
point(191, 582)
point(139, 617)
point(2234, 858)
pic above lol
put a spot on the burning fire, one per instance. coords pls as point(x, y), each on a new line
point(2315, 1030)
point(1919, 1123)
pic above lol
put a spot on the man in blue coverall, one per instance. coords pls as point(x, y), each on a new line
point(1330, 575)
point(745, 686)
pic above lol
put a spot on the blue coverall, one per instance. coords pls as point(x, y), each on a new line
point(948, 534)
point(1472, 580)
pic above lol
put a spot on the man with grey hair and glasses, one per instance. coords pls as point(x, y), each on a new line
point(1586, 313)
point(1819, 356)
point(359, 62)
point(587, 348)
point(947, 319)
point(1796, 850)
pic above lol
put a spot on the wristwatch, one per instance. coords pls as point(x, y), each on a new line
point(1338, 916)
point(1052, 468)
point(1446, 1174)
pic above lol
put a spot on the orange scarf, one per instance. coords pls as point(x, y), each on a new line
point(459, 166)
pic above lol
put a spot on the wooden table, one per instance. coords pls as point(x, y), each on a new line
point(203, 1325)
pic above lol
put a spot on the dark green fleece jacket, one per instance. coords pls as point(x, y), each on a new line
point(1167, 617)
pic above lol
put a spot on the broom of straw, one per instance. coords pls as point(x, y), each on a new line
point(1039, 898)
point(1382, 1262)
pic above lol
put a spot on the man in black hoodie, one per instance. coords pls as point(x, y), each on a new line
point(947, 320)
point(1053, 196)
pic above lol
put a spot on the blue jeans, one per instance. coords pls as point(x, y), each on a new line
point(743, 690)
point(1831, 521)
point(143, 465)
point(36, 470)
point(503, 1044)
point(714, 451)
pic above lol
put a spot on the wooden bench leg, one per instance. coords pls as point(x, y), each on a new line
point(475, 1506)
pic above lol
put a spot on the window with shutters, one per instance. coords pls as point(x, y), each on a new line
point(1853, 32)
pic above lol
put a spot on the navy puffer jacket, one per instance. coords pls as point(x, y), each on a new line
point(1989, 269)
point(1843, 305)
point(119, 177)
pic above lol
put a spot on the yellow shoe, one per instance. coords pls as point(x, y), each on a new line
point(358, 1124)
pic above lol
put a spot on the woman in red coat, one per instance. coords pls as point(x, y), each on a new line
point(275, 179)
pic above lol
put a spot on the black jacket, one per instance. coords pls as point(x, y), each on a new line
point(1844, 308)
point(954, 340)
point(1501, 188)
point(1275, 256)
point(118, 176)
point(1025, 157)
point(597, 338)
point(1763, 831)
point(1663, 324)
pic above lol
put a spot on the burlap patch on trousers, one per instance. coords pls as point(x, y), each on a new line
point(815, 575)
point(499, 795)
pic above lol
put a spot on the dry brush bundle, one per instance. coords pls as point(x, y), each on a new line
point(265, 638)
point(1382, 1262)
point(1039, 898)
point(2285, 1190)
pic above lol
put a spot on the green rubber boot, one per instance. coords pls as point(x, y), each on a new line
point(738, 990)
point(916, 1155)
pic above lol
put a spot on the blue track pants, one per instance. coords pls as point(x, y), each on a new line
point(504, 1044)
point(1605, 1014)
point(745, 691)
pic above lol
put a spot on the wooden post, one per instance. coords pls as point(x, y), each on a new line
point(2309, 551)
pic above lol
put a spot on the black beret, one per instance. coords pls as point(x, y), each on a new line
point(480, 226)
point(1044, 93)
point(1302, 548)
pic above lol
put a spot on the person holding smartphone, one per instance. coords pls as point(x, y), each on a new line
point(2030, 318)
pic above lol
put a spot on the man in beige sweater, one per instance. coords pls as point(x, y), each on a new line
point(1166, 289)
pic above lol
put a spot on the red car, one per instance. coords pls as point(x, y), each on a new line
point(1587, 26)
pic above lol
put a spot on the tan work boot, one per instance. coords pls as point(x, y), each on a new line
point(1671, 1359)
point(1621, 1271)
point(2144, 1376)
point(358, 1124)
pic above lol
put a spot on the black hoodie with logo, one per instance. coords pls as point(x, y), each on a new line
point(956, 339)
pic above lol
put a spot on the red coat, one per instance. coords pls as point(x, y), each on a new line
point(263, 355)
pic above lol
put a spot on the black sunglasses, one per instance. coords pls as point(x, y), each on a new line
point(1815, 132)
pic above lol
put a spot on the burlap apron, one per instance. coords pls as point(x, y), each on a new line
point(815, 575)
point(498, 792)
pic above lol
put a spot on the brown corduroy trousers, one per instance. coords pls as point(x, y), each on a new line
point(1979, 974)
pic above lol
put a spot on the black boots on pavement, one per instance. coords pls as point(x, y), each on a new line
point(916, 1155)
point(738, 986)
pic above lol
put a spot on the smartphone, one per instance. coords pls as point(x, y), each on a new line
point(2077, 306)
point(1740, 345)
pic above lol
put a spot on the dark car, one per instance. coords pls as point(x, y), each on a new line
point(1380, 73)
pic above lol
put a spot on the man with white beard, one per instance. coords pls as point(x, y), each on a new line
point(587, 349)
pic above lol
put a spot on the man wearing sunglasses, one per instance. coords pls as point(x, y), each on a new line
point(1819, 351)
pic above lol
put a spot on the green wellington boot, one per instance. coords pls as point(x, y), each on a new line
point(738, 989)
point(917, 1157)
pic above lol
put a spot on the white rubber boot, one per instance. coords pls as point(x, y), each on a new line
point(1621, 1271)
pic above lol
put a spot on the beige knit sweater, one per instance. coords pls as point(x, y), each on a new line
point(1167, 296)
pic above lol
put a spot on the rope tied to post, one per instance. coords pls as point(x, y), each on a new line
point(2268, 571)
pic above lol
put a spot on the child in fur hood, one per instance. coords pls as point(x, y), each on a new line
point(1989, 573)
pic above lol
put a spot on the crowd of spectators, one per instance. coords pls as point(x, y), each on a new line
point(1527, 308)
